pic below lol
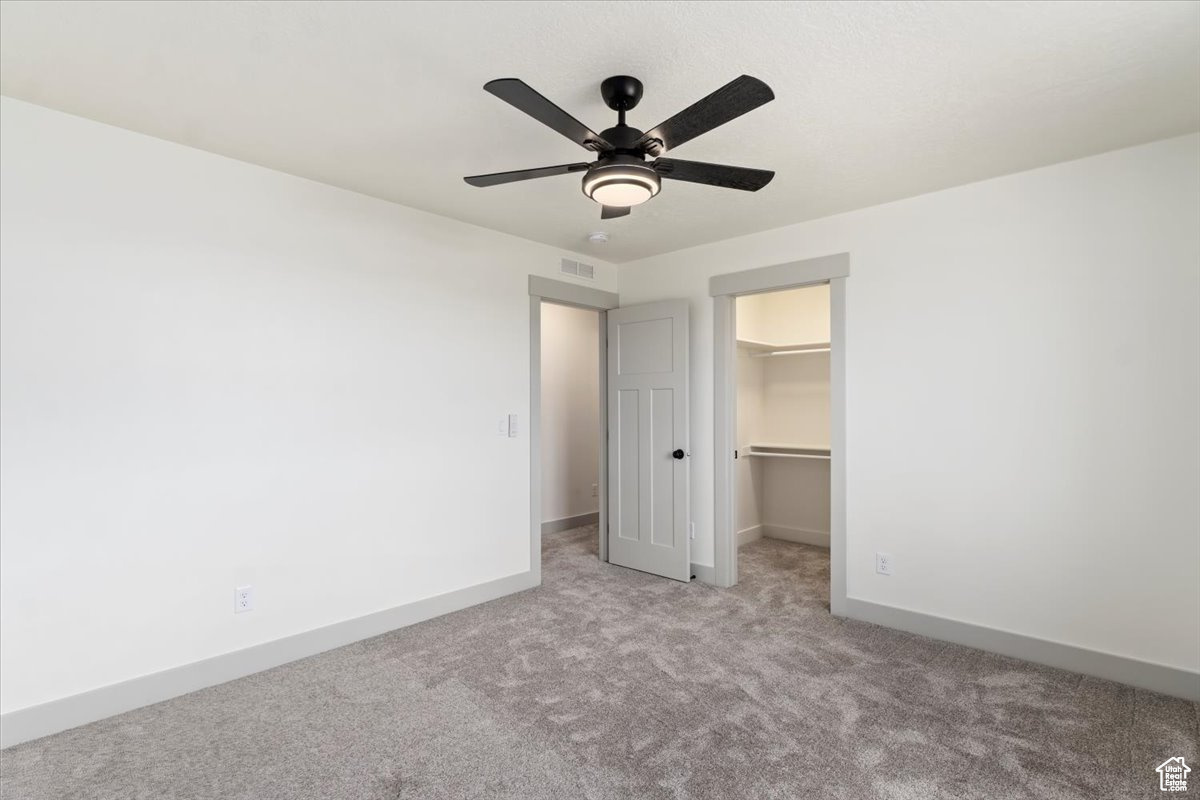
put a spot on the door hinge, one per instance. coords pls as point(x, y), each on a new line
point(735, 454)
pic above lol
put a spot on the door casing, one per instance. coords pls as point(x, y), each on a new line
point(569, 294)
point(724, 289)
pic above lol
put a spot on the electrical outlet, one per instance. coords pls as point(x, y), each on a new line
point(502, 426)
point(883, 564)
point(595, 490)
point(243, 599)
point(512, 426)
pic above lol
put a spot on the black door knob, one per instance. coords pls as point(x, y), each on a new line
point(678, 454)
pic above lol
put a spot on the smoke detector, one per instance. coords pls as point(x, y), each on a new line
point(598, 237)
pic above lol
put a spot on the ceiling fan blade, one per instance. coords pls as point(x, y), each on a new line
point(520, 95)
point(744, 178)
point(497, 178)
point(611, 212)
point(729, 102)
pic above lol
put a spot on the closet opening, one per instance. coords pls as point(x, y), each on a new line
point(782, 457)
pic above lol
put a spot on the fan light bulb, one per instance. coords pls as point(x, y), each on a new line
point(621, 186)
point(621, 193)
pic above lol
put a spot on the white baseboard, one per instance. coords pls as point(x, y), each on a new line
point(34, 722)
point(567, 523)
point(747, 535)
point(705, 574)
point(1173, 681)
point(791, 534)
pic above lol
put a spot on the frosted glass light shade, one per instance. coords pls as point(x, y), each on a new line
point(621, 186)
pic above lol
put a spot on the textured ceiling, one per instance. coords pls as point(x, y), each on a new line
point(874, 101)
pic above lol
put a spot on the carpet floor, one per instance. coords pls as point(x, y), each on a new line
point(607, 683)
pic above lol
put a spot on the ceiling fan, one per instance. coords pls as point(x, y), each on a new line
point(621, 176)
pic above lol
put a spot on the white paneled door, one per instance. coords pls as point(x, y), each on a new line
point(647, 438)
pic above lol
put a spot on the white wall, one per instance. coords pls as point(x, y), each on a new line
point(790, 394)
point(753, 318)
point(570, 411)
point(215, 374)
point(792, 316)
point(796, 400)
point(795, 499)
point(795, 492)
point(1022, 394)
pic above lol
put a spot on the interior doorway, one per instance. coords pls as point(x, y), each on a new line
point(546, 298)
point(828, 274)
point(571, 435)
point(782, 458)
point(642, 439)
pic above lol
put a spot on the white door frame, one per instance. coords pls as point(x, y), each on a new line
point(568, 294)
point(724, 289)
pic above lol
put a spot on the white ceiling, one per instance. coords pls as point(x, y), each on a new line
point(874, 101)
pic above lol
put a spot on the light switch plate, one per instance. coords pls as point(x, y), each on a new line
point(512, 426)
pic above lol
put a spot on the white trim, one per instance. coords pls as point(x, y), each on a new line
point(602, 480)
point(567, 523)
point(790, 533)
point(34, 722)
point(781, 276)
point(535, 435)
point(724, 438)
point(747, 535)
point(571, 294)
point(837, 444)
point(704, 574)
point(1161, 678)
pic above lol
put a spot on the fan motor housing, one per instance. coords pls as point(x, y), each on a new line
point(624, 139)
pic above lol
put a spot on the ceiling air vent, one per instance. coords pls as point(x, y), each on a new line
point(587, 271)
point(569, 267)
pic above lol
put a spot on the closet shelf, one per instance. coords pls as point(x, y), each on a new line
point(820, 452)
point(764, 349)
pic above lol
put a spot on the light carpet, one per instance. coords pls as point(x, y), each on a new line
point(607, 683)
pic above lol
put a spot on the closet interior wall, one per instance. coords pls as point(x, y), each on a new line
point(570, 416)
point(783, 416)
